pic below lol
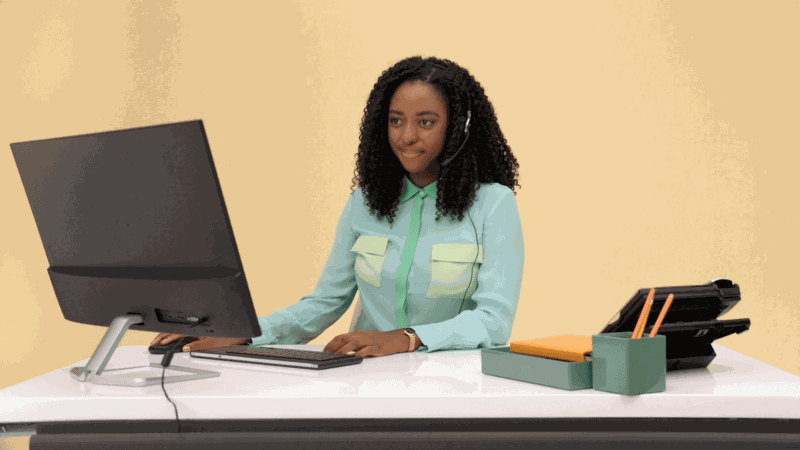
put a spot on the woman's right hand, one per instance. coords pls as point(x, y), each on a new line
point(200, 344)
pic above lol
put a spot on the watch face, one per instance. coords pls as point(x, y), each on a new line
point(410, 331)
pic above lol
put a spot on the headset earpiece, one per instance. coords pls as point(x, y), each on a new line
point(463, 124)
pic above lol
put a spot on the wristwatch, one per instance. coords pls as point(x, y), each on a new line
point(413, 336)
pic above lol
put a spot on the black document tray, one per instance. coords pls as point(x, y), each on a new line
point(690, 325)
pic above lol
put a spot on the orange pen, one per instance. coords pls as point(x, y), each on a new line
point(661, 315)
point(637, 332)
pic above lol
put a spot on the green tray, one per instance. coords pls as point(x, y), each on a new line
point(501, 362)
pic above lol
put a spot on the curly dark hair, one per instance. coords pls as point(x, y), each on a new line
point(484, 158)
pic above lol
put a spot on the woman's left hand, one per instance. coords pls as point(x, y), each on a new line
point(369, 343)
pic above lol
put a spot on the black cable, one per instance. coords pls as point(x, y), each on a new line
point(165, 362)
point(472, 267)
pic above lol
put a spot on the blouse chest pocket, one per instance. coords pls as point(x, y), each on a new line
point(371, 252)
point(452, 269)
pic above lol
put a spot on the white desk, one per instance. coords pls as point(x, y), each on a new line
point(444, 388)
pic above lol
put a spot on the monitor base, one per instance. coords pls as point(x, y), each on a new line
point(130, 376)
point(145, 375)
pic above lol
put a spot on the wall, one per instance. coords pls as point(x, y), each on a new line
point(656, 141)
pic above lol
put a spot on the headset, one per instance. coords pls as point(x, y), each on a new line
point(429, 75)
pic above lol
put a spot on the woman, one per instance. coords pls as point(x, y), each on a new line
point(431, 238)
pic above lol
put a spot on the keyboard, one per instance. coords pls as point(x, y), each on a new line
point(278, 356)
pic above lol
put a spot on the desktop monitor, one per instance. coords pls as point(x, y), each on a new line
point(137, 234)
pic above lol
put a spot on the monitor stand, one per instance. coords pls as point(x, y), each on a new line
point(95, 371)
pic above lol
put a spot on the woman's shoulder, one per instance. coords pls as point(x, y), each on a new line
point(491, 196)
point(357, 199)
point(493, 192)
point(355, 194)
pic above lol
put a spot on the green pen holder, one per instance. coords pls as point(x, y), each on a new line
point(629, 366)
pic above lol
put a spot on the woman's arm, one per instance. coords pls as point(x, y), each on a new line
point(336, 288)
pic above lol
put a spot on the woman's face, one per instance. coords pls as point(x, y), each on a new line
point(417, 128)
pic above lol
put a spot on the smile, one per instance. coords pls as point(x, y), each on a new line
point(410, 155)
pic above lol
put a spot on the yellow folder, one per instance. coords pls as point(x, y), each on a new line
point(566, 348)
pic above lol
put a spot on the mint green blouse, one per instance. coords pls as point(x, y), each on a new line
point(416, 271)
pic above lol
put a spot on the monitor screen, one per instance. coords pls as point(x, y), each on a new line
point(133, 222)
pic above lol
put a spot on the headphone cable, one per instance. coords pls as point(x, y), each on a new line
point(472, 268)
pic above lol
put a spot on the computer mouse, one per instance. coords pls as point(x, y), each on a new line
point(160, 349)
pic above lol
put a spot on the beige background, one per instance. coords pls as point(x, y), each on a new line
point(657, 141)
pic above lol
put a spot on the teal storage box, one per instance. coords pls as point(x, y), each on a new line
point(501, 362)
point(629, 366)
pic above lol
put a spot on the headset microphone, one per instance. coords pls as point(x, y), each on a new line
point(466, 136)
